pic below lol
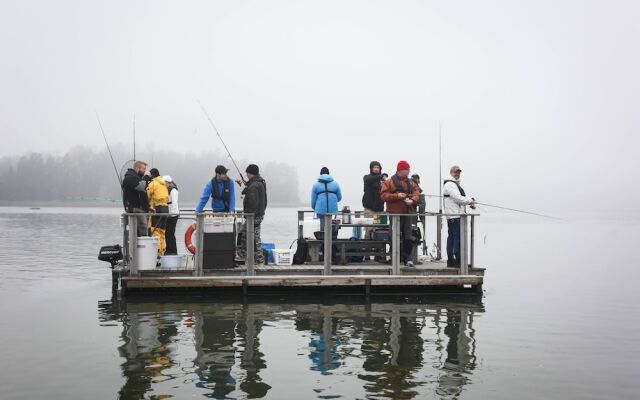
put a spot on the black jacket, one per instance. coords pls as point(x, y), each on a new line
point(255, 196)
point(372, 183)
point(134, 191)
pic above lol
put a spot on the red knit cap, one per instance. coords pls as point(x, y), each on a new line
point(402, 165)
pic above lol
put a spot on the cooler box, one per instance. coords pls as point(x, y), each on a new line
point(269, 247)
point(217, 224)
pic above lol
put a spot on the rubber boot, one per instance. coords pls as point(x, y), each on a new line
point(456, 264)
point(451, 262)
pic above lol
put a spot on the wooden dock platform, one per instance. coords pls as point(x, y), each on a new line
point(365, 279)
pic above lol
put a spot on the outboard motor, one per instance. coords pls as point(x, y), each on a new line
point(111, 254)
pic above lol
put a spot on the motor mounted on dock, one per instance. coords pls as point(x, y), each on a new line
point(111, 254)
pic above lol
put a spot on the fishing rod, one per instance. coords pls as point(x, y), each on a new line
point(134, 136)
point(223, 143)
point(507, 208)
point(104, 136)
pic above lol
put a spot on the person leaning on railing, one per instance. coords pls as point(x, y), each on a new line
point(134, 194)
point(455, 201)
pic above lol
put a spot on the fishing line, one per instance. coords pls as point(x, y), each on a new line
point(223, 143)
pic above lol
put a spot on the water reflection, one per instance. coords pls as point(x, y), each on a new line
point(216, 348)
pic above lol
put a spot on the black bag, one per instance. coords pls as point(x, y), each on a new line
point(302, 252)
point(416, 234)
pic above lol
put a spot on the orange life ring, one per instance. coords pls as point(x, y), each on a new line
point(187, 238)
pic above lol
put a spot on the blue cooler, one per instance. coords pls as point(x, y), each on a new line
point(269, 247)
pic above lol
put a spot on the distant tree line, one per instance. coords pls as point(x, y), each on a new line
point(83, 174)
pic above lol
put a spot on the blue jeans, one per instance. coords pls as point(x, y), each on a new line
point(453, 239)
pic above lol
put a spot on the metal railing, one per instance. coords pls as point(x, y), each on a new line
point(130, 223)
point(467, 237)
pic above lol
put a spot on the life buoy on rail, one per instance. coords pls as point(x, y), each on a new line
point(187, 238)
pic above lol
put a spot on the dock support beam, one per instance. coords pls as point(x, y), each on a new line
point(395, 244)
point(328, 236)
point(464, 245)
point(251, 246)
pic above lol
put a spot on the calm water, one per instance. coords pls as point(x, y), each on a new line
point(559, 319)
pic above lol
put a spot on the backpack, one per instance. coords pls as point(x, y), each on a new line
point(302, 252)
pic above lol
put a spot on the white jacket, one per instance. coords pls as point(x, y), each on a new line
point(454, 202)
point(173, 198)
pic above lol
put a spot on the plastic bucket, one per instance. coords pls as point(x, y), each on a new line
point(174, 261)
point(147, 252)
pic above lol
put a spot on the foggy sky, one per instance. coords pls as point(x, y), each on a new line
point(538, 100)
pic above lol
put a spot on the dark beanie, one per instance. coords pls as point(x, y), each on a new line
point(324, 171)
point(154, 172)
point(253, 169)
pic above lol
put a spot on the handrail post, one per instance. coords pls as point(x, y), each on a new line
point(251, 247)
point(124, 220)
point(439, 237)
point(395, 244)
point(472, 247)
point(133, 245)
point(328, 237)
point(464, 246)
point(300, 225)
point(199, 258)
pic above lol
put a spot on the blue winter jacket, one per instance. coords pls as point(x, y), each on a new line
point(320, 199)
point(217, 205)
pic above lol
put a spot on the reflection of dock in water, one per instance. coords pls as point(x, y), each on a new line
point(213, 347)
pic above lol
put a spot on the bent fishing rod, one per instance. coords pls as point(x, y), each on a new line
point(223, 143)
point(104, 136)
point(508, 209)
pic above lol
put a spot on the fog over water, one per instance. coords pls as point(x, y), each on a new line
point(538, 100)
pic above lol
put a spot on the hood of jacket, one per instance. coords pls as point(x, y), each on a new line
point(373, 164)
point(325, 178)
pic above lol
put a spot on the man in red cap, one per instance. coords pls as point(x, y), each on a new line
point(401, 195)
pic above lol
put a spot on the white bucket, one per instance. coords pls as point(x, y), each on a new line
point(147, 254)
point(171, 261)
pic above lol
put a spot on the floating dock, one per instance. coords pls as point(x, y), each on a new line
point(367, 277)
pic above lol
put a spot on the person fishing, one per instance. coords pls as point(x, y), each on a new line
point(221, 191)
point(158, 195)
point(325, 196)
point(254, 202)
point(455, 201)
point(134, 194)
point(401, 194)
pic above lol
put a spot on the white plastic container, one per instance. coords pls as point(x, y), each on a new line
point(283, 256)
point(218, 224)
point(173, 261)
point(147, 252)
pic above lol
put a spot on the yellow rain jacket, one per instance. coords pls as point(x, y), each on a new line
point(157, 192)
